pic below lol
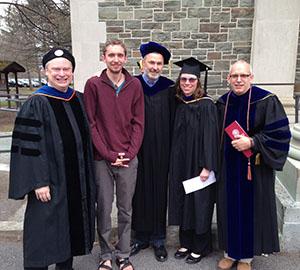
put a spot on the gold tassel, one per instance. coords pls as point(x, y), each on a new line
point(257, 159)
point(249, 175)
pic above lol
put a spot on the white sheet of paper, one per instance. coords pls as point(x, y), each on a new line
point(195, 183)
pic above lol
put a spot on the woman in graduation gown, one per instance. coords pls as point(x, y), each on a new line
point(194, 151)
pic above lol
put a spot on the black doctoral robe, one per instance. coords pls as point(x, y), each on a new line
point(194, 147)
point(150, 198)
point(51, 147)
point(247, 219)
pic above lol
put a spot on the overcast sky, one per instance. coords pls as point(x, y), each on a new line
point(3, 6)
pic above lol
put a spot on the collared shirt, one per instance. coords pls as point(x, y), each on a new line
point(149, 82)
point(119, 88)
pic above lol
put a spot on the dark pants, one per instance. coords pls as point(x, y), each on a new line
point(196, 243)
point(156, 239)
point(66, 265)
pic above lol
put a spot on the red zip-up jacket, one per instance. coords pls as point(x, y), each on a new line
point(116, 120)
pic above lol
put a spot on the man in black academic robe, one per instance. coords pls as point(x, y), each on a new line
point(150, 198)
point(247, 220)
point(52, 163)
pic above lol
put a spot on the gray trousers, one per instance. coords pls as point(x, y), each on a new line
point(125, 179)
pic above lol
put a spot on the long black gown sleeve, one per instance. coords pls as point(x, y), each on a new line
point(272, 141)
point(209, 149)
point(29, 163)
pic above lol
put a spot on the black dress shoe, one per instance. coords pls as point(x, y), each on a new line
point(137, 247)
point(192, 260)
point(160, 253)
point(181, 254)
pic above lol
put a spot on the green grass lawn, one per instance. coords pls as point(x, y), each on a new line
point(7, 120)
point(22, 91)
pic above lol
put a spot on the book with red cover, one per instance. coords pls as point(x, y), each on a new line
point(235, 129)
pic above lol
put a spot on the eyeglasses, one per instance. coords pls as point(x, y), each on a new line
point(242, 76)
point(191, 80)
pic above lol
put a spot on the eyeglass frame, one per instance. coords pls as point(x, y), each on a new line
point(242, 76)
point(190, 80)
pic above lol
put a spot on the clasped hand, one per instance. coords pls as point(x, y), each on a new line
point(241, 143)
point(121, 161)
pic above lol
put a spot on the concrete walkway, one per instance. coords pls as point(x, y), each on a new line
point(11, 259)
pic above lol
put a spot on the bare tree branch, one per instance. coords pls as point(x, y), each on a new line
point(33, 27)
point(58, 7)
point(20, 6)
point(22, 14)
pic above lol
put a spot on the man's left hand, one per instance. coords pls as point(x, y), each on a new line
point(241, 143)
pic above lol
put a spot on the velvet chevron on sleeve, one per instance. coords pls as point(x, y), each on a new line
point(272, 141)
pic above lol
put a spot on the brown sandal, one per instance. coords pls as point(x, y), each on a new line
point(123, 263)
point(103, 266)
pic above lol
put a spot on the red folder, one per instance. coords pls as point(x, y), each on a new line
point(235, 129)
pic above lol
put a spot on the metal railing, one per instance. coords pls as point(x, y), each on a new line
point(12, 100)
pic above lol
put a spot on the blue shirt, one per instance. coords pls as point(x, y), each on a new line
point(149, 82)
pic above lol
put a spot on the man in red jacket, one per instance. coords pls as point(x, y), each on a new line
point(115, 107)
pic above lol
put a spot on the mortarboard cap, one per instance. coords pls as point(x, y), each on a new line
point(152, 47)
point(193, 66)
point(56, 53)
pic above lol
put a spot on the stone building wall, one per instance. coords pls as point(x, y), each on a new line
point(217, 32)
